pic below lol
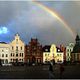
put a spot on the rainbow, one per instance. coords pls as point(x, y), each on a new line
point(56, 15)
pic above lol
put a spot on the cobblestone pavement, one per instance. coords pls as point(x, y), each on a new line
point(70, 72)
point(39, 72)
point(20, 72)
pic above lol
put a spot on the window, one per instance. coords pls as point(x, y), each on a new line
point(28, 47)
point(17, 41)
point(16, 47)
point(45, 54)
point(34, 48)
point(6, 55)
point(28, 53)
point(11, 54)
point(74, 56)
point(68, 54)
point(2, 55)
point(22, 54)
point(60, 55)
point(70, 50)
point(11, 59)
point(2, 61)
point(6, 61)
point(67, 50)
point(12, 47)
point(16, 52)
point(16, 55)
point(27, 50)
point(28, 60)
point(57, 54)
point(46, 49)
point(22, 59)
point(77, 57)
point(58, 60)
point(2, 50)
point(68, 59)
point(46, 59)
point(21, 47)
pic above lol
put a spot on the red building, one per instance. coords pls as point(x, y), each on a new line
point(63, 48)
point(33, 52)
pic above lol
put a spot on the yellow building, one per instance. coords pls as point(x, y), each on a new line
point(17, 50)
point(52, 52)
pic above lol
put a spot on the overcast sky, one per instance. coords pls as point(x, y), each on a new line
point(29, 20)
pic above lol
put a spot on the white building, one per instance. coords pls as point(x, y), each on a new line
point(46, 53)
point(17, 49)
point(69, 49)
point(4, 52)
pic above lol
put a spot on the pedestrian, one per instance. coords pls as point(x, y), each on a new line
point(61, 70)
point(51, 76)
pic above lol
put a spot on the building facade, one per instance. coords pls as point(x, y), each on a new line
point(4, 53)
point(17, 50)
point(34, 52)
point(75, 55)
point(63, 49)
point(57, 54)
point(60, 56)
point(69, 49)
point(54, 53)
point(46, 53)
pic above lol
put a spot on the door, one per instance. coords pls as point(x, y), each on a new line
point(33, 59)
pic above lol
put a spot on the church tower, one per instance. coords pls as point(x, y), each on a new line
point(76, 48)
point(77, 40)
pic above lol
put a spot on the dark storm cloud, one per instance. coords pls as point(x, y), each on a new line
point(29, 20)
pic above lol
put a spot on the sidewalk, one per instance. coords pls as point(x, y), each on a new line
point(70, 72)
point(56, 71)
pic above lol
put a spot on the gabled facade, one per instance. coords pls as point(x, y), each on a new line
point(69, 49)
point(57, 54)
point(33, 53)
point(17, 50)
point(54, 53)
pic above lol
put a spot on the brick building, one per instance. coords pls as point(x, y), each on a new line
point(63, 49)
point(33, 52)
